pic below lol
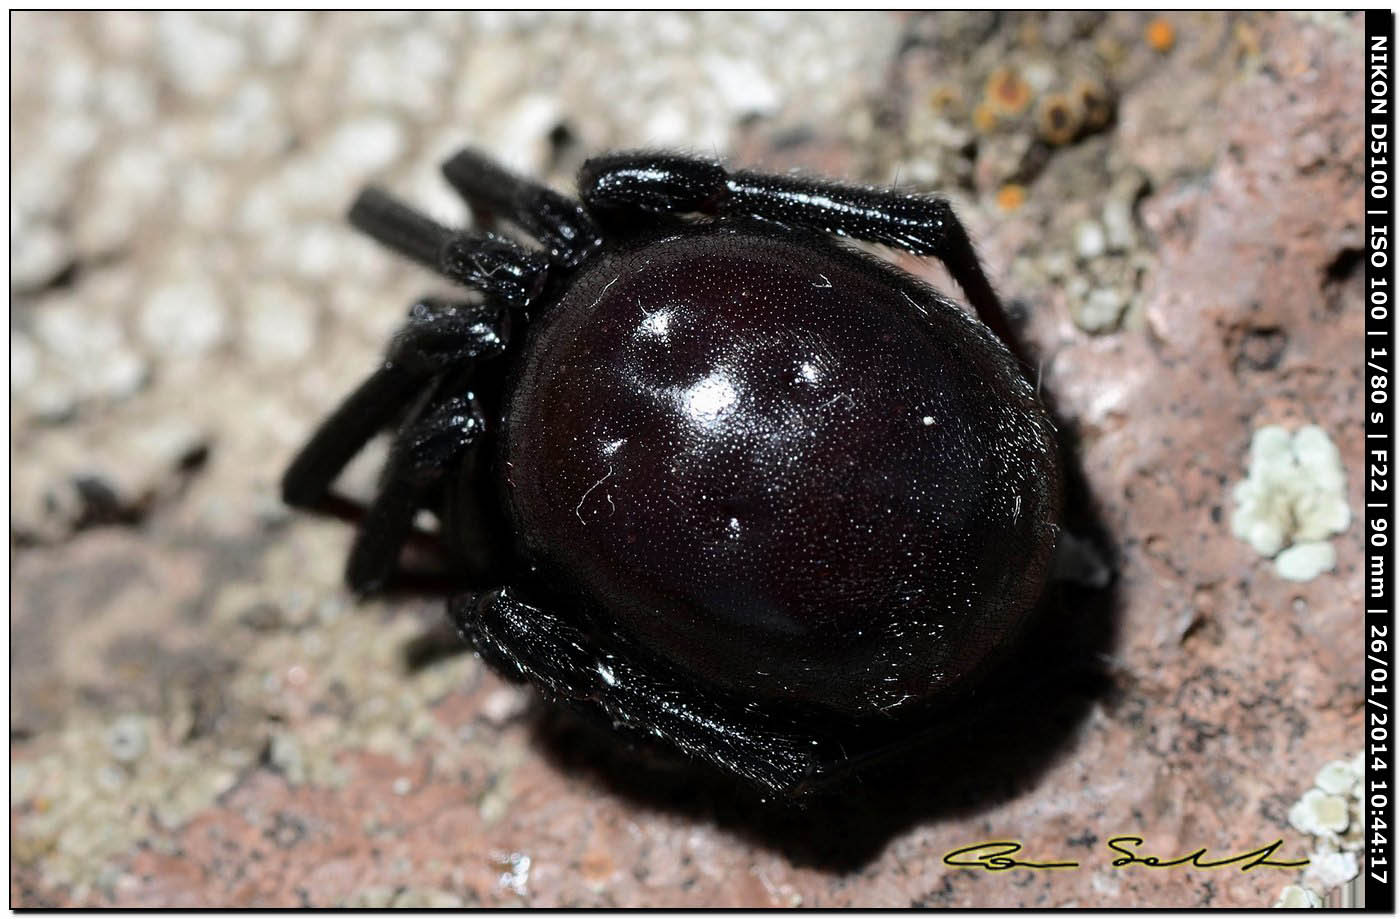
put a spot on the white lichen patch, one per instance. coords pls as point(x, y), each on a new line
point(1292, 500)
point(1295, 897)
point(1331, 813)
point(1304, 561)
point(1340, 777)
point(1319, 814)
point(1331, 869)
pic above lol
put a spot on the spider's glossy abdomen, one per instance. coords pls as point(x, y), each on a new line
point(785, 468)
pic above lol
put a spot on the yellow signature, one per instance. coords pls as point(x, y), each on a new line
point(999, 855)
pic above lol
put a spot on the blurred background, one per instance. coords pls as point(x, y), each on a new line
point(202, 715)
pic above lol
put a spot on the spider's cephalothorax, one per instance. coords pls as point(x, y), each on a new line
point(742, 488)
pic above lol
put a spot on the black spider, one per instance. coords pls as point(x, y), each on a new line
point(748, 491)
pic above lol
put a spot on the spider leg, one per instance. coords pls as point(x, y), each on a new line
point(363, 414)
point(493, 264)
point(428, 447)
point(561, 224)
point(919, 224)
point(439, 334)
point(528, 643)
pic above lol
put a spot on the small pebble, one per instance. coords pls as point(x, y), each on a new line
point(24, 361)
point(71, 81)
point(184, 318)
point(248, 124)
point(200, 58)
point(503, 705)
point(171, 443)
point(281, 36)
point(39, 190)
point(127, 97)
point(366, 144)
point(494, 805)
point(203, 198)
point(1089, 239)
point(74, 333)
point(52, 402)
point(284, 755)
point(402, 785)
point(110, 778)
point(1100, 311)
point(37, 257)
point(742, 85)
point(72, 136)
point(1056, 265)
point(126, 738)
point(319, 252)
point(1121, 234)
point(523, 139)
point(119, 374)
point(1119, 220)
point(279, 327)
point(666, 127)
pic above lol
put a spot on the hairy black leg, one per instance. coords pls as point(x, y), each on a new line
point(423, 452)
point(920, 224)
point(505, 271)
point(438, 334)
point(529, 643)
point(442, 334)
point(561, 224)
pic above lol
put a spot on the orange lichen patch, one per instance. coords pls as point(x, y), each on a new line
point(1160, 35)
point(1007, 92)
point(984, 119)
point(597, 866)
point(1058, 118)
point(1094, 102)
point(1010, 197)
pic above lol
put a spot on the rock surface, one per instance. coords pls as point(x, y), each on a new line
point(203, 716)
